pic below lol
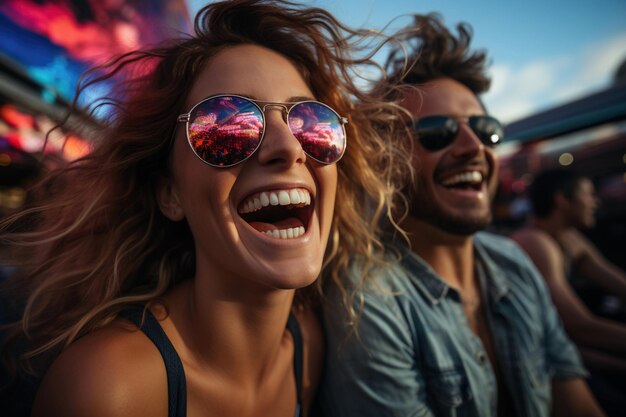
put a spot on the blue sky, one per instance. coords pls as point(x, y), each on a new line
point(542, 53)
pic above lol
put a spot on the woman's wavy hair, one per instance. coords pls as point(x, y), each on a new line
point(96, 241)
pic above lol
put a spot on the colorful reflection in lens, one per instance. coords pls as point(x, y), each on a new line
point(319, 131)
point(225, 130)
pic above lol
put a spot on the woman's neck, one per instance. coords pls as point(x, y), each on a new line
point(236, 337)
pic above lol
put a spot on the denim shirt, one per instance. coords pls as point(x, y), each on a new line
point(414, 353)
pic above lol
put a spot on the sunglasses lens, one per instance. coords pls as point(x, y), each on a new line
point(225, 130)
point(436, 132)
point(488, 129)
point(319, 130)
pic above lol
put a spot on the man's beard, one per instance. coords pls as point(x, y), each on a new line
point(422, 208)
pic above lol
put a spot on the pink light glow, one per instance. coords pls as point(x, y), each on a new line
point(117, 26)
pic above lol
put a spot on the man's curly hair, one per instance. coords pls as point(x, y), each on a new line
point(432, 52)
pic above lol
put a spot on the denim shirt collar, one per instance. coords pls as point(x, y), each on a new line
point(434, 288)
point(422, 275)
point(496, 277)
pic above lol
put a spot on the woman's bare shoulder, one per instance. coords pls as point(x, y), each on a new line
point(114, 371)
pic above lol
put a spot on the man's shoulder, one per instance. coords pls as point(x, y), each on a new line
point(386, 288)
point(505, 254)
point(497, 244)
point(510, 262)
point(389, 274)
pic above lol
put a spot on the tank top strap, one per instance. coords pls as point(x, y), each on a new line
point(294, 329)
point(176, 383)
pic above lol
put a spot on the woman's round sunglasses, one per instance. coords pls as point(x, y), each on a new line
point(437, 132)
point(226, 129)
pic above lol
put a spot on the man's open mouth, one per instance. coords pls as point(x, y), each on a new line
point(468, 180)
point(282, 214)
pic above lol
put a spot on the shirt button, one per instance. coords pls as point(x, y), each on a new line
point(481, 357)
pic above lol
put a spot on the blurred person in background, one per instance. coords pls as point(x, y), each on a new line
point(564, 202)
point(164, 274)
point(459, 322)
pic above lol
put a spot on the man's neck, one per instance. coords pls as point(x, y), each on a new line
point(451, 256)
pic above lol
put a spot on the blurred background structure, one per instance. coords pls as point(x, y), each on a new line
point(587, 134)
point(45, 46)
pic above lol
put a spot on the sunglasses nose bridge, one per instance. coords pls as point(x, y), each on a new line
point(280, 145)
point(283, 109)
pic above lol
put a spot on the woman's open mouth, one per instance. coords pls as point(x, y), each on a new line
point(281, 214)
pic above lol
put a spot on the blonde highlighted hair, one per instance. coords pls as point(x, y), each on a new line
point(96, 241)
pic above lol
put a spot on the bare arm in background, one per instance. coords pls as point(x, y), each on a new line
point(593, 266)
point(603, 362)
point(585, 328)
point(572, 398)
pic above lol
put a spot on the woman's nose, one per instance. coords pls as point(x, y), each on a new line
point(279, 145)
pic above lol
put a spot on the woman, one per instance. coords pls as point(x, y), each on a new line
point(207, 204)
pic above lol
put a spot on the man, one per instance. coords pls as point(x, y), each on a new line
point(461, 323)
point(563, 202)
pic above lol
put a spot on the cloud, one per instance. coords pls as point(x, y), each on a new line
point(500, 78)
point(599, 63)
point(512, 92)
point(540, 84)
point(518, 92)
point(512, 109)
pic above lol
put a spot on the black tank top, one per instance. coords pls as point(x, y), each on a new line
point(176, 383)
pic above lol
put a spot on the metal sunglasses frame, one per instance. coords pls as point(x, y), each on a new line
point(262, 105)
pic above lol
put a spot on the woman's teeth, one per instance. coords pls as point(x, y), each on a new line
point(291, 233)
point(280, 214)
point(299, 197)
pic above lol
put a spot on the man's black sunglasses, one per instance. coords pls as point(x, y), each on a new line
point(437, 132)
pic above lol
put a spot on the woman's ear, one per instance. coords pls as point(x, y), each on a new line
point(168, 200)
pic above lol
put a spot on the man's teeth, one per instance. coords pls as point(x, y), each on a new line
point(472, 177)
point(291, 233)
point(293, 196)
